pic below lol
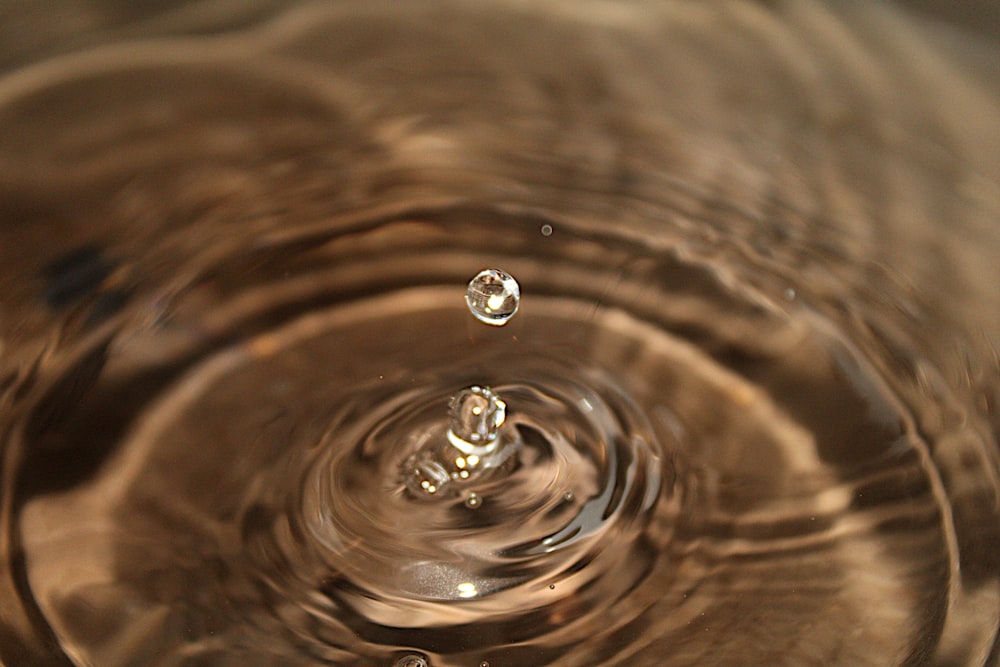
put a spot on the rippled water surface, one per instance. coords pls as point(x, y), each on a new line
point(743, 412)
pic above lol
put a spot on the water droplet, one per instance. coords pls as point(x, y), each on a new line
point(552, 587)
point(474, 444)
point(493, 297)
point(412, 661)
point(473, 501)
point(546, 230)
point(476, 417)
point(427, 477)
point(790, 294)
point(484, 663)
point(569, 497)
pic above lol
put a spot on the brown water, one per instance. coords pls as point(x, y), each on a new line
point(751, 387)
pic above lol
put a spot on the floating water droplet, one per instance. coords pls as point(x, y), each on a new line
point(412, 661)
point(473, 501)
point(493, 296)
point(546, 230)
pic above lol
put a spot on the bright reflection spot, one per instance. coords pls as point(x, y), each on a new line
point(495, 302)
point(467, 589)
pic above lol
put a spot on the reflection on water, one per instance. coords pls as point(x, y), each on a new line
point(746, 412)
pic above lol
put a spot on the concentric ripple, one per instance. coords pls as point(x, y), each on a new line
point(655, 483)
point(745, 412)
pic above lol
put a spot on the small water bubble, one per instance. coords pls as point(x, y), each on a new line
point(484, 663)
point(493, 297)
point(546, 230)
point(476, 417)
point(569, 497)
point(552, 587)
point(473, 501)
point(412, 661)
point(790, 294)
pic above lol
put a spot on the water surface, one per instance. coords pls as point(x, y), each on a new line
point(750, 387)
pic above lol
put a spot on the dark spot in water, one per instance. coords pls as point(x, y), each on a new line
point(107, 304)
point(75, 275)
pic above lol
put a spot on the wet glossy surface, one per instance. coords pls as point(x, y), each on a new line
point(749, 394)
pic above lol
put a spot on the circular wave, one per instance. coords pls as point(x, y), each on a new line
point(739, 432)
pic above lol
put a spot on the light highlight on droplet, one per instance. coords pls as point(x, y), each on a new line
point(493, 297)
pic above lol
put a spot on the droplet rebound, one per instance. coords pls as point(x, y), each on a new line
point(412, 661)
point(477, 414)
point(474, 443)
point(493, 297)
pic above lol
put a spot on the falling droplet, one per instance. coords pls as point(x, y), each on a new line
point(473, 501)
point(493, 297)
